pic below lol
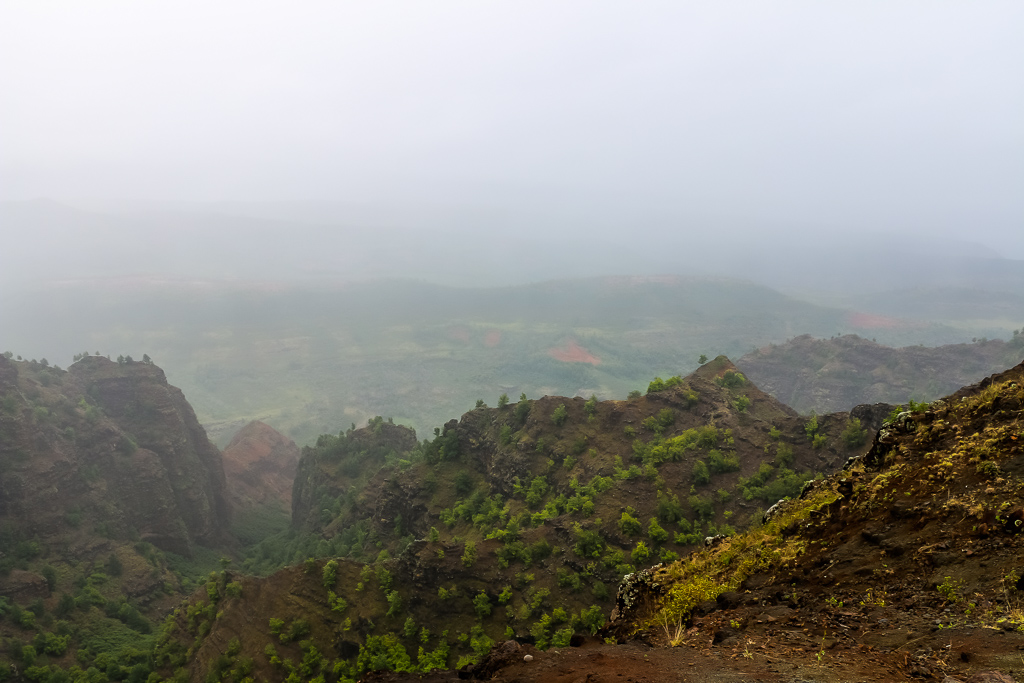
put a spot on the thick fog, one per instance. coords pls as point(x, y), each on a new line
point(672, 122)
point(313, 213)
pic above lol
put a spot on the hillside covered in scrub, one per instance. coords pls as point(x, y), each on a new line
point(907, 564)
point(630, 530)
point(517, 521)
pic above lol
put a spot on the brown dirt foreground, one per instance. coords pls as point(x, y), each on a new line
point(763, 657)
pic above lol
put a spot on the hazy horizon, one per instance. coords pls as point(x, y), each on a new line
point(670, 122)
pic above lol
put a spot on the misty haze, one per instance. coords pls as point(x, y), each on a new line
point(537, 341)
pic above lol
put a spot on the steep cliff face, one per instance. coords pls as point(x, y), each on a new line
point(259, 465)
point(105, 450)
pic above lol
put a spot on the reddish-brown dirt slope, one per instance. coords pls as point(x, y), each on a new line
point(259, 464)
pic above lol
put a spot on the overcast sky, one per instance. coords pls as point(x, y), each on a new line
point(900, 117)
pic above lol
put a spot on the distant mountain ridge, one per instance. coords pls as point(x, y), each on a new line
point(828, 375)
point(306, 359)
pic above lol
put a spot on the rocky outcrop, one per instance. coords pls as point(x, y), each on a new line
point(23, 586)
point(337, 467)
point(107, 448)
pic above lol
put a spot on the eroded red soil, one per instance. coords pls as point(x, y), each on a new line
point(573, 353)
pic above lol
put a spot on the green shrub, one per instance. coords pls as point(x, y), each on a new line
point(719, 462)
point(655, 532)
point(540, 550)
point(330, 574)
point(811, 427)
point(731, 379)
point(384, 653)
point(569, 579)
point(337, 603)
point(854, 434)
point(394, 603)
point(50, 574)
point(660, 422)
point(469, 554)
point(658, 384)
point(700, 474)
point(669, 509)
point(383, 577)
point(561, 638)
point(702, 506)
point(463, 483)
point(482, 605)
point(297, 630)
point(560, 415)
point(641, 553)
point(591, 619)
point(538, 489)
point(588, 543)
point(628, 524)
point(522, 409)
point(771, 485)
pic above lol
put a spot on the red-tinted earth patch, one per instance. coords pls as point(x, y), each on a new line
point(492, 339)
point(573, 353)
